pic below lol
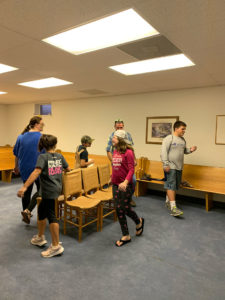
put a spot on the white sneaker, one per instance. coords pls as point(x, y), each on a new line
point(38, 241)
point(53, 251)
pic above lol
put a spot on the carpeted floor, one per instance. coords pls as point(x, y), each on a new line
point(174, 259)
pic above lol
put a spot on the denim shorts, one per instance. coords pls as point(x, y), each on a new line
point(173, 180)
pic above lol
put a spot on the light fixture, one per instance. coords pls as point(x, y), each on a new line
point(1, 93)
point(45, 83)
point(154, 65)
point(123, 27)
point(5, 68)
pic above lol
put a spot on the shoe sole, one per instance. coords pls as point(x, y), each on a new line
point(177, 215)
point(39, 244)
point(57, 253)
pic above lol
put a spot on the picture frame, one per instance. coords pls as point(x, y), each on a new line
point(157, 128)
point(220, 130)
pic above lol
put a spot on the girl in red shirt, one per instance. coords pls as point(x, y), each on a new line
point(122, 173)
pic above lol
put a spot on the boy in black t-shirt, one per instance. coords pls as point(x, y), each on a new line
point(82, 154)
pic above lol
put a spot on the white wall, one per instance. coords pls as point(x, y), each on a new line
point(4, 125)
point(95, 117)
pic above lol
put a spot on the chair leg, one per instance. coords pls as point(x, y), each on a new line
point(65, 218)
point(80, 225)
point(101, 206)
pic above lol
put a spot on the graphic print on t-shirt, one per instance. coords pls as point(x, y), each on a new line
point(54, 167)
point(117, 160)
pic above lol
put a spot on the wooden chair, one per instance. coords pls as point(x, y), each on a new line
point(107, 205)
point(81, 211)
point(91, 190)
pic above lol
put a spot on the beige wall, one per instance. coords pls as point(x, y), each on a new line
point(95, 117)
point(72, 119)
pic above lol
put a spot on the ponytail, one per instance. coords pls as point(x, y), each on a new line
point(33, 121)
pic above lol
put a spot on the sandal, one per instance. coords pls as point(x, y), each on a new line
point(123, 242)
point(141, 228)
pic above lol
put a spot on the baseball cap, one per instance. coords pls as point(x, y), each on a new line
point(86, 139)
point(123, 135)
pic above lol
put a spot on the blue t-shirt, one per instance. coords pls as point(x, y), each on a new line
point(26, 150)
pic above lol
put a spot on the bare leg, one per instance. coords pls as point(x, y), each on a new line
point(171, 195)
point(54, 229)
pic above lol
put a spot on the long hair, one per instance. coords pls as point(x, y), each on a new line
point(33, 121)
point(122, 146)
point(47, 142)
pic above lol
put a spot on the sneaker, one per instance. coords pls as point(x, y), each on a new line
point(132, 203)
point(167, 205)
point(26, 216)
point(176, 212)
point(38, 241)
point(53, 251)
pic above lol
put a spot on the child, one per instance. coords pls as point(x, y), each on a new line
point(172, 156)
point(122, 174)
point(81, 156)
point(49, 166)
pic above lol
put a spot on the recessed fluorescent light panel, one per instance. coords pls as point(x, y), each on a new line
point(5, 68)
point(1, 93)
point(154, 65)
point(45, 83)
point(116, 29)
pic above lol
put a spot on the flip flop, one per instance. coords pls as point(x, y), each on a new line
point(141, 228)
point(123, 242)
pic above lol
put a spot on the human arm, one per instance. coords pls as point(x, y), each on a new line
point(190, 150)
point(84, 163)
point(33, 176)
point(109, 147)
point(109, 154)
point(16, 168)
point(129, 157)
point(166, 144)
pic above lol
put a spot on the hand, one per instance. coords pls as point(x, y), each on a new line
point(167, 169)
point(21, 192)
point(91, 161)
point(16, 170)
point(193, 148)
point(122, 186)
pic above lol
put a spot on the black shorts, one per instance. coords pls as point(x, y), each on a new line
point(46, 209)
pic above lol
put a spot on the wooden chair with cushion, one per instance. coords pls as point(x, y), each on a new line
point(91, 189)
point(81, 211)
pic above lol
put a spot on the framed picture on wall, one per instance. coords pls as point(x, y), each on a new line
point(220, 130)
point(157, 128)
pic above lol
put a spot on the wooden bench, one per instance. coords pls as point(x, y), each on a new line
point(7, 162)
point(210, 180)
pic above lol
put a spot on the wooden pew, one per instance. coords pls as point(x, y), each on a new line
point(7, 162)
point(210, 180)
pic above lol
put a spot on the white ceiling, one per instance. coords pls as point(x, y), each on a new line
point(196, 27)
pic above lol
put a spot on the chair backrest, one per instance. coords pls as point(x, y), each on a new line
point(90, 179)
point(104, 174)
point(77, 158)
point(72, 183)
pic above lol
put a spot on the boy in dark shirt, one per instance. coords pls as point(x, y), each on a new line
point(82, 154)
